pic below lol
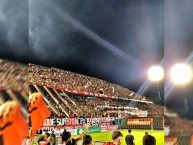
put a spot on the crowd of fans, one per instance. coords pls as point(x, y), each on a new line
point(14, 84)
point(57, 138)
point(63, 105)
point(13, 76)
point(60, 137)
point(56, 78)
point(68, 80)
point(65, 138)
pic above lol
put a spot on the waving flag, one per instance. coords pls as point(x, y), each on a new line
point(13, 127)
point(38, 112)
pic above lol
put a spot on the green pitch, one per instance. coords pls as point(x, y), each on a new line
point(138, 135)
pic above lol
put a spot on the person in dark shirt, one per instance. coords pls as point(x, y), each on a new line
point(87, 140)
point(149, 139)
point(129, 139)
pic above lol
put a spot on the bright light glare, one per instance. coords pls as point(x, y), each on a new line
point(181, 74)
point(156, 73)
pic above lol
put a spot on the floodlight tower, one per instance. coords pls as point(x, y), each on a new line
point(156, 74)
point(181, 74)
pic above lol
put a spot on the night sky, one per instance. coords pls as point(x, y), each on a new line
point(109, 39)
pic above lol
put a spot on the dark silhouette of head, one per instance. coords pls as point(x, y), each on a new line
point(66, 136)
point(129, 130)
point(87, 140)
point(149, 140)
point(116, 134)
point(71, 142)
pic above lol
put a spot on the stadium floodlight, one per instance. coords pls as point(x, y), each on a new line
point(181, 74)
point(156, 73)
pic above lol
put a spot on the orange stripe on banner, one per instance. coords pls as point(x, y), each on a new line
point(192, 141)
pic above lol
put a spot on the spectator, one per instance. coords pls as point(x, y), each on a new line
point(87, 140)
point(149, 139)
point(67, 140)
point(151, 126)
point(117, 137)
point(66, 137)
point(129, 139)
point(44, 139)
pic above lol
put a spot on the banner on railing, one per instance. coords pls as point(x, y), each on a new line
point(140, 113)
point(88, 93)
point(112, 127)
point(109, 127)
point(104, 128)
point(77, 121)
point(91, 130)
point(140, 121)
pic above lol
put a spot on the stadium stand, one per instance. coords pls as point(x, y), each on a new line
point(52, 82)
point(14, 83)
point(55, 85)
point(65, 79)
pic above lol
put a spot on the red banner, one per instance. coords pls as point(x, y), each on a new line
point(192, 141)
point(112, 127)
point(140, 121)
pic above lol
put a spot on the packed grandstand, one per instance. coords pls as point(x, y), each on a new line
point(71, 95)
point(14, 84)
point(75, 88)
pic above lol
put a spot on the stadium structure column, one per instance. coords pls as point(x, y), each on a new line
point(159, 94)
